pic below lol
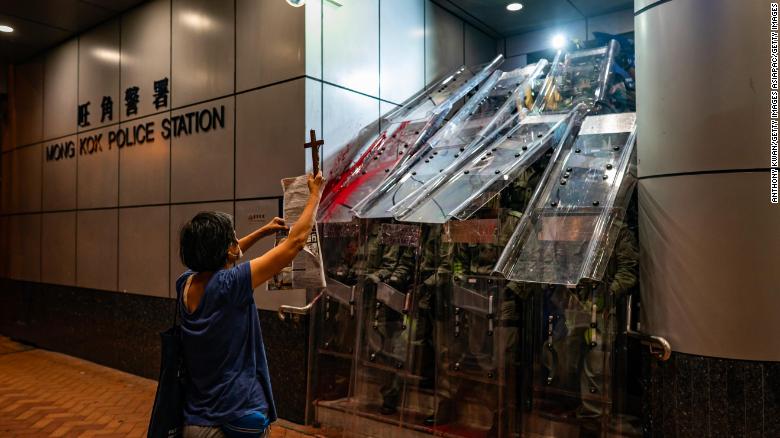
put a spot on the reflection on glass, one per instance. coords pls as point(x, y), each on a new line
point(498, 105)
point(367, 160)
point(567, 233)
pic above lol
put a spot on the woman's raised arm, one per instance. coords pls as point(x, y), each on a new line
point(270, 263)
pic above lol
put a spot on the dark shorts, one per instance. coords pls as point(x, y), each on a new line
point(254, 425)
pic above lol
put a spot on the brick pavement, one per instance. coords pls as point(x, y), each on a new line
point(47, 394)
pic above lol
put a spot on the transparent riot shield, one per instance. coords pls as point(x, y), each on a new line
point(571, 373)
point(570, 229)
point(577, 84)
point(367, 160)
point(382, 365)
point(477, 333)
point(469, 184)
point(352, 173)
point(334, 319)
point(497, 106)
point(577, 77)
point(563, 251)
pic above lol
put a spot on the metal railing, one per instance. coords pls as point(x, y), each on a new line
point(659, 347)
point(293, 310)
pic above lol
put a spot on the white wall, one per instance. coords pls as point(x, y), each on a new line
point(374, 54)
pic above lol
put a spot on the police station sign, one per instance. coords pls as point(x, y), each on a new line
point(193, 122)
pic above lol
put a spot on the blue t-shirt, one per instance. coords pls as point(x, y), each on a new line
point(223, 351)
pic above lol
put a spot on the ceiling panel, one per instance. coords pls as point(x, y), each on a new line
point(27, 38)
point(492, 16)
point(69, 15)
point(534, 15)
point(40, 24)
point(598, 7)
point(114, 5)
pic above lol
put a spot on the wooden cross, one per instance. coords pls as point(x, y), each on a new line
point(314, 144)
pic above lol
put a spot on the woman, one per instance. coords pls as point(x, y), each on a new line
point(229, 390)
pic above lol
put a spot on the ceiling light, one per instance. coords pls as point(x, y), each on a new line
point(514, 7)
point(296, 3)
point(6, 29)
point(558, 41)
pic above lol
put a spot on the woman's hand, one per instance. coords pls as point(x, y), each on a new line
point(315, 184)
point(276, 224)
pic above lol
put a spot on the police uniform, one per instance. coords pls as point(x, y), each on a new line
point(472, 268)
point(581, 325)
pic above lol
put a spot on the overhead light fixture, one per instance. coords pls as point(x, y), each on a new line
point(296, 3)
point(514, 7)
point(558, 41)
point(6, 29)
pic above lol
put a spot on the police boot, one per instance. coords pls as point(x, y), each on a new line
point(444, 414)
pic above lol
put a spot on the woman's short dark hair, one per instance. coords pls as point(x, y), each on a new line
point(204, 241)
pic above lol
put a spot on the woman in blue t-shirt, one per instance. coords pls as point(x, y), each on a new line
point(229, 390)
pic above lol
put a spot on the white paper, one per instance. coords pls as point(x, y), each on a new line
point(306, 270)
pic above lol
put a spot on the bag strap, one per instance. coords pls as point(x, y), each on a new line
point(179, 296)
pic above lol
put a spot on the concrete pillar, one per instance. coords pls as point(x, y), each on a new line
point(709, 236)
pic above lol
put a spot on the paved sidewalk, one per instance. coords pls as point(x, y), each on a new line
point(46, 394)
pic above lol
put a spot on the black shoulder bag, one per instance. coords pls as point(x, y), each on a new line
point(168, 411)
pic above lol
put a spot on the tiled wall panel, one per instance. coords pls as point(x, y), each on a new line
point(480, 47)
point(202, 162)
point(345, 114)
point(402, 49)
point(443, 42)
point(350, 45)
point(269, 145)
point(99, 76)
point(24, 247)
point(58, 260)
point(144, 162)
point(143, 250)
point(59, 173)
point(146, 56)
point(203, 50)
point(98, 170)
point(28, 102)
point(60, 90)
point(25, 181)
point(270, 42)
point(96, 249)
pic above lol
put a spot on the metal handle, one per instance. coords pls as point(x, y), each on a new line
point(659, 347)
point(550, 331)
point(298, 310)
